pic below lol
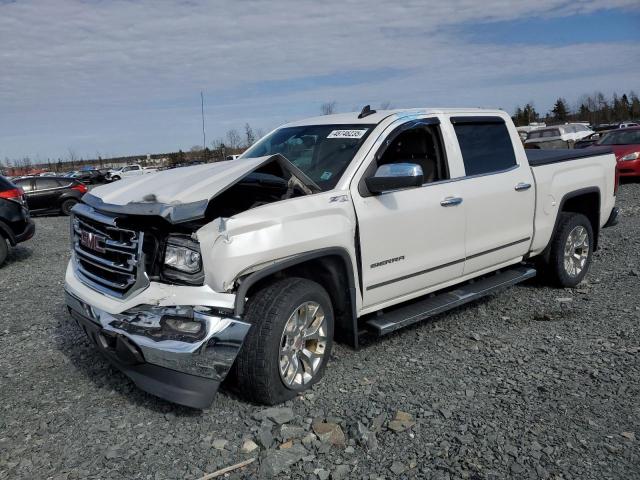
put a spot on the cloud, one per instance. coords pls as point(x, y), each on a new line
point(124, 76)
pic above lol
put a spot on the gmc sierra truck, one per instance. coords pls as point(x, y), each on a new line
point(325, 230)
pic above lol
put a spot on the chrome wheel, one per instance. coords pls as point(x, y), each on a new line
point(303, 345)
point(576, 251)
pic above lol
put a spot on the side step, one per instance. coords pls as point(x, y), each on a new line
point(402, 315)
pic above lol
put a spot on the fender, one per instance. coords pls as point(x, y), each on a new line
point(7, 233)
point(351, 326)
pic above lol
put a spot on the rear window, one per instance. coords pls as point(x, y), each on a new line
point(621, 137)
point(5, 184)
point(546, 133)
point(485, 147)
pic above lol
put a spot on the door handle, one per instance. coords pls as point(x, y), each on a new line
point(450, 201)
point(522, 186)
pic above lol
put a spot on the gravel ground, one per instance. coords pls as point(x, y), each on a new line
point(531, 383)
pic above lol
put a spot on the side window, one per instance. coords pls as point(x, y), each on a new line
point(24, 184)
point(46, 183)
point(421, 145)
point(486, 146)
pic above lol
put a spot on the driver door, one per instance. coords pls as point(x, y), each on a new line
point(411, 239)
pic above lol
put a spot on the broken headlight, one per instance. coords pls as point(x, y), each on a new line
point(183, 261)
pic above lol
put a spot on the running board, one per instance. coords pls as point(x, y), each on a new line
point(402, 315)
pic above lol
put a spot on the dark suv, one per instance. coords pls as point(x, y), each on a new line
point(51, 194)
point(15, 224)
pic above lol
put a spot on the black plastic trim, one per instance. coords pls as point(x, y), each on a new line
point(476, 119)
point(254, 277)
point(445, 265)
point(28, 232)
point(539, 157)
point(613, 218)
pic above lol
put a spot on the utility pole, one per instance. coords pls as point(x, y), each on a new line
point(204, 136)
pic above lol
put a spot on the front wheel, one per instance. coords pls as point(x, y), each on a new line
point(571, 250)
point(115, 178)
point(287, 348)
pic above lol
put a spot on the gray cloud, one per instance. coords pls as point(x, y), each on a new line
point(124, 76)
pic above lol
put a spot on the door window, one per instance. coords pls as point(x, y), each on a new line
point(420, 144)
point(46, 183)
point(486, 147)
point(24, 184)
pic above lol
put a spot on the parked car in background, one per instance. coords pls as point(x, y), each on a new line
point(51, 194)
point(558, 136)
point(588, 141)
point(90, 177)
point(625, 144)
point(129, 171)
point(15, 223)
point(628, 124)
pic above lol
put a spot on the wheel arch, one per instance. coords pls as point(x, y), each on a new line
point(585, 201)
point(330, 267)
point(6, 232)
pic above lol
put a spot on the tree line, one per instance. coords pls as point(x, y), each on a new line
point(594, 108)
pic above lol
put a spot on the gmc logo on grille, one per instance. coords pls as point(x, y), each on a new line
point(92, 241)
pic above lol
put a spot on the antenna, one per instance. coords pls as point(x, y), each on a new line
point(366, 111)
point(204, 135)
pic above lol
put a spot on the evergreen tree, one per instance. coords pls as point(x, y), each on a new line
point(560, 110)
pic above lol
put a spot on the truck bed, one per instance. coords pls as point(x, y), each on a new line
point(539, 157)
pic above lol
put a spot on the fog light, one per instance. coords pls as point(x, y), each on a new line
point(183, 325)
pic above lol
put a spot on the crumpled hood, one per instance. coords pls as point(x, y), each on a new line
point(178, 185)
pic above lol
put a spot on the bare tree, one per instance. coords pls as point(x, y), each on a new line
point(196, 148)
point(233, 139)
point(327, 108)
point(250, 137)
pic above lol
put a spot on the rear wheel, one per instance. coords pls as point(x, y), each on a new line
point(288, 346)
point(571, 250)
point(114, 178)
point(67, 205)
point(4, 250)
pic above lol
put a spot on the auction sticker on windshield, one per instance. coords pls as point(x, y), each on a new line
point(347, 133)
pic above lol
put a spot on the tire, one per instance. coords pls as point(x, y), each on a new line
point(270, 310)
point(67, 205)
point(4, 250)
point(115, 178)
point(569, 273)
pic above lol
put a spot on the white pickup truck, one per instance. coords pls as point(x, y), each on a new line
point(129, 171)
point(327, 229)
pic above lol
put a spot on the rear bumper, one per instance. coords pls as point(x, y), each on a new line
point(28, 232)
point(183, 368)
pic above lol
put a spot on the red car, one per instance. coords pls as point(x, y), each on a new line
point(625, 144)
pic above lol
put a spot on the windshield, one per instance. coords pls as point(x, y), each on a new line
point(629, 137)
point(322, 152)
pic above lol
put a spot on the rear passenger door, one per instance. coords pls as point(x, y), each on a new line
point(46, 193)
point(26, 184)
point(498, 192)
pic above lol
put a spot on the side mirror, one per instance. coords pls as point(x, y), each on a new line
point(395, 176)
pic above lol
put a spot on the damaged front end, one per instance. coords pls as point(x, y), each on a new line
point(136, 282)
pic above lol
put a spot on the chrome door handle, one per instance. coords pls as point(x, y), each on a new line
point(522, 186)
point(450, 201)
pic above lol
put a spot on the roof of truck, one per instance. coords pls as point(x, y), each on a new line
point(352, 117)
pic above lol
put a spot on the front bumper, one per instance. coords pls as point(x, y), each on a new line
point(183, 368)
point(629, 168)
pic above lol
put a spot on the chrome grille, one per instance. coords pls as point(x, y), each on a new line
point(107, 257)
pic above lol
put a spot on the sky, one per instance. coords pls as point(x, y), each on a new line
point(123, 77)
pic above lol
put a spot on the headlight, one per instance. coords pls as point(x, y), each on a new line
point(182, 258)
point(630, 156)
point(182, 261)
